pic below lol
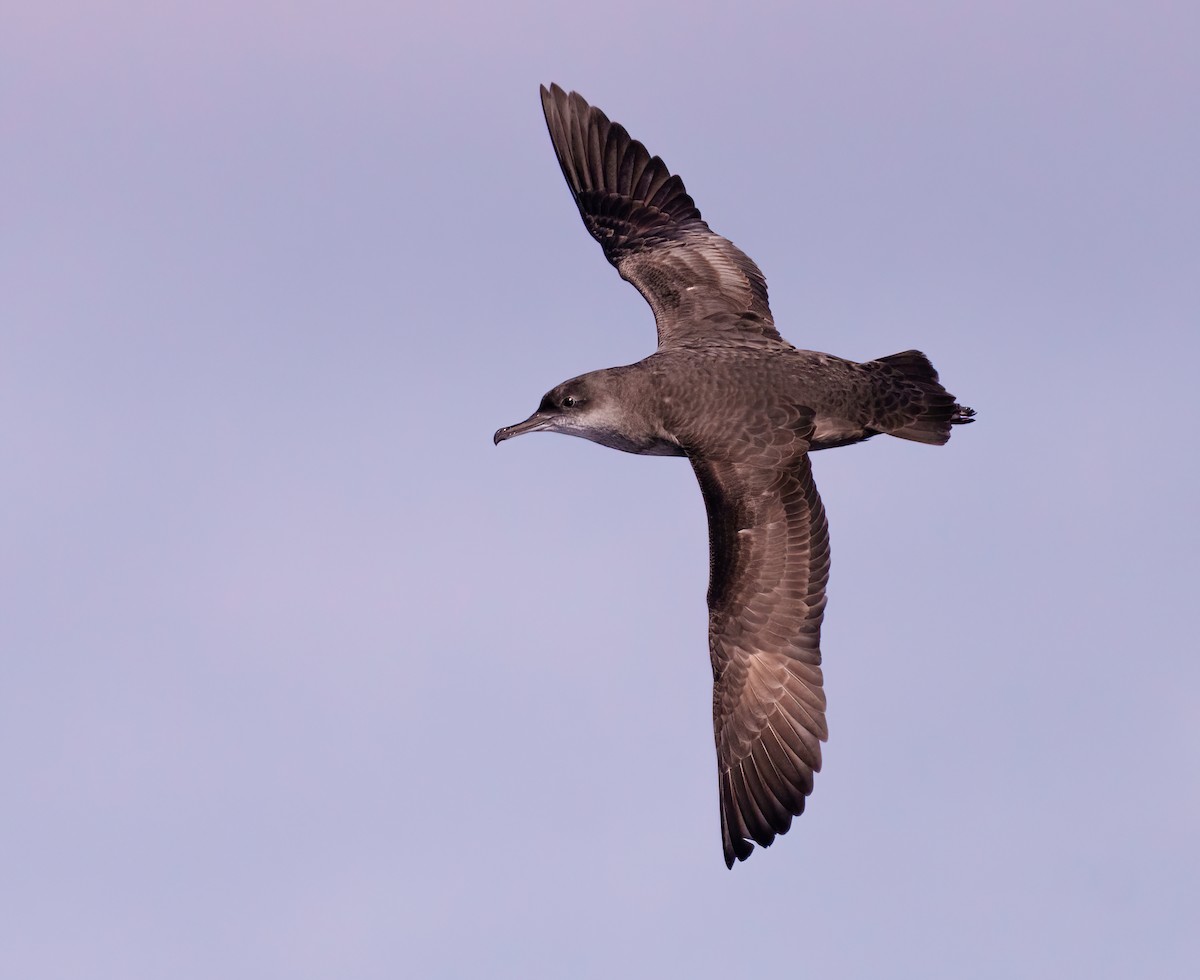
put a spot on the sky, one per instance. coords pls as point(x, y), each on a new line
point(300, 676)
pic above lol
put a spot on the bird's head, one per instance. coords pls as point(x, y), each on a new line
point(613, 407)
point(574, 408)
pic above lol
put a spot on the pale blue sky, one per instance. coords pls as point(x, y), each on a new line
point(301, 677)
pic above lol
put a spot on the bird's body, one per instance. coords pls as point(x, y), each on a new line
point(747, 408)
point(703, 400)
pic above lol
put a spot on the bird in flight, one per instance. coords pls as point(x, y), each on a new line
point(746, 408)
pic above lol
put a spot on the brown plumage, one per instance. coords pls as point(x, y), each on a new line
point(747, 408)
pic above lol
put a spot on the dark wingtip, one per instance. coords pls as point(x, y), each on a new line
point(737, 849)
point(552, 93)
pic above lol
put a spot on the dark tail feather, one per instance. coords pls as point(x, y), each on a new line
point(936, 406)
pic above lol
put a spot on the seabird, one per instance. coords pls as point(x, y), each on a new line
point(746, 408)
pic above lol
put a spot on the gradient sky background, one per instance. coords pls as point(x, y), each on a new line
point(302, 677)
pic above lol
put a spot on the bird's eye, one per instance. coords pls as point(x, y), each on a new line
point(569, 401)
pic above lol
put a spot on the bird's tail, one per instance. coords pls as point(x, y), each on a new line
point(936, 407)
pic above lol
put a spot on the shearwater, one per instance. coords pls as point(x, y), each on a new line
point(746, 408)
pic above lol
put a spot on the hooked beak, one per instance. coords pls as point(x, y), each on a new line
point(536, 422)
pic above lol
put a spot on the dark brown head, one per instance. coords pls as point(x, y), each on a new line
point(602, 407)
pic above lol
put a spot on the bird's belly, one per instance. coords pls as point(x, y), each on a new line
point(830, 431)
point(829, 428)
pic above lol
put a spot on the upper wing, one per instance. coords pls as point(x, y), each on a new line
point(700, 286)
point(770, 562)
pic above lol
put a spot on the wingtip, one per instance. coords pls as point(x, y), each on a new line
point(734, 853)
point(736, 848)
point(556, 103)
point(552, 93)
